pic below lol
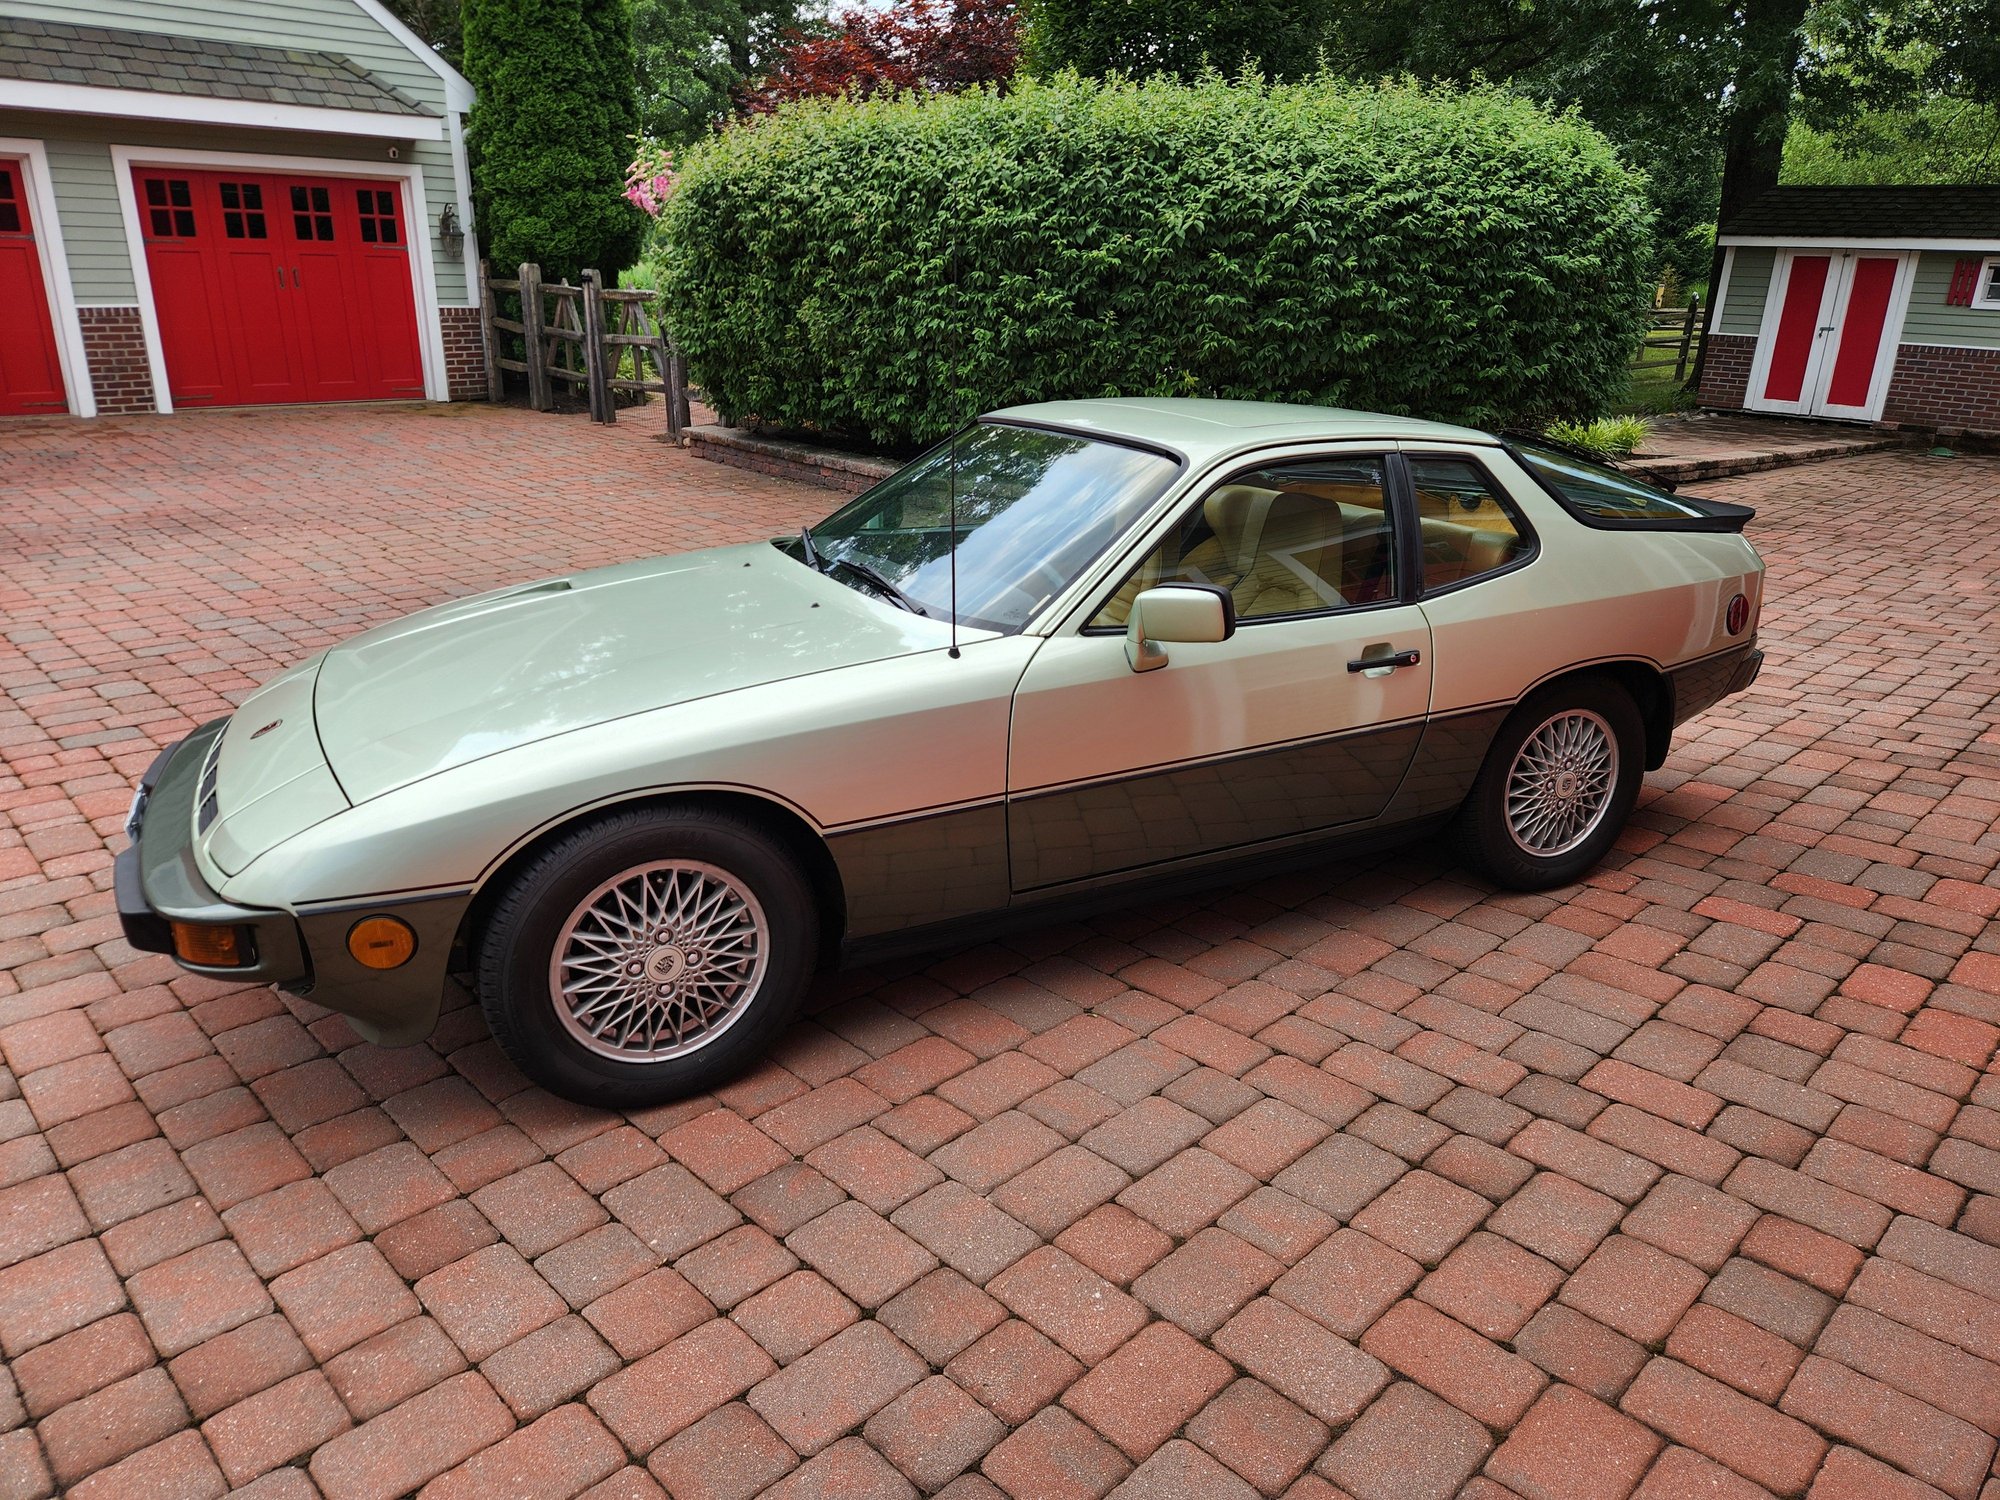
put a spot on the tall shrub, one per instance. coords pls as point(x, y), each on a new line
point(551, 132)
point(884, 268)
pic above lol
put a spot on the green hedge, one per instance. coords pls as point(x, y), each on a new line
point(881, 270)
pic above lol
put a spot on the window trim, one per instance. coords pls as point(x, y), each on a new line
point(1523, 527)
point(1711, 515)
point(1398, 509)
point(1987, 279)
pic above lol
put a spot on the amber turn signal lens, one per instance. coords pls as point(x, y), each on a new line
point(216, 947)
point(381, 942)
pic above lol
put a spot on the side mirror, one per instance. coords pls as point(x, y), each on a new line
point(1195, 613)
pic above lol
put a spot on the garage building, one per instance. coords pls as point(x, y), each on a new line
point(230, 202)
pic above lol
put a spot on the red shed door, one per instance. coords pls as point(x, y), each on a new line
point(30, 368)
point(1860, 337)
point(1795, 342)
point(271, 287)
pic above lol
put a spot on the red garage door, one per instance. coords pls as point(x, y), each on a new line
point(279, 288)
point(30, 370)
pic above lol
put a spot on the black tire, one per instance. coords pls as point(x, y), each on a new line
point(515, 971)
point(1485, 838)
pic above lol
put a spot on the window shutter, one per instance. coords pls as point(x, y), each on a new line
point(1964, 281)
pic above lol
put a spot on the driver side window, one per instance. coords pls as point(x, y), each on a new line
point(1301, 538)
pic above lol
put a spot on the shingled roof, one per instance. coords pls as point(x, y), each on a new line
point(101, 57)
point(1926, 212)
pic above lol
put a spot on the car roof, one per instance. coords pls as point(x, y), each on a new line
point(1199, 428)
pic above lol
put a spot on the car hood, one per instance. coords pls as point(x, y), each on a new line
point(501, 670)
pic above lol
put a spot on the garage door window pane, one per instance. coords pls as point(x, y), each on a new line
point(377, 207)
point(170, 208)
point(1292, 539)
point(242, 210)
point(312, 213)
point(1467, 529)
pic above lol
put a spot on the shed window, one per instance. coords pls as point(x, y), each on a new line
point(1986, 292)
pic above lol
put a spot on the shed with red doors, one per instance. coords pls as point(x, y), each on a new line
point(1863, 304)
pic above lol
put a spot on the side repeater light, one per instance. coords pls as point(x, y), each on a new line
point(381, 942)
point(1738, 615)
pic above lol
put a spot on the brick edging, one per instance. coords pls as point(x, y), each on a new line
point(114, 348)
point(789, 458)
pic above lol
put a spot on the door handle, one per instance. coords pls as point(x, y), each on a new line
point(1382, 664)
point(295, 275)
point(281, 278)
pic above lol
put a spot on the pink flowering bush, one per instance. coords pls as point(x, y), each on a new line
point(649, 181)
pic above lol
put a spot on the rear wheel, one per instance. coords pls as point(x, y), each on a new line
point(647, 956)
point(1557, 785)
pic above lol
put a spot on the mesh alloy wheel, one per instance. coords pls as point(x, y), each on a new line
point(1560, 783)
point(659, 961)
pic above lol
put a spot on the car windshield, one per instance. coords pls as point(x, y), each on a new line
point(1034, 508)
point(1601, 494)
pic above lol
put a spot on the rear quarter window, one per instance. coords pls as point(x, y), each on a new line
point(1602, 496)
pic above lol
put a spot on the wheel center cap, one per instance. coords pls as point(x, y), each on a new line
point(665, 965)
point(1566, 785)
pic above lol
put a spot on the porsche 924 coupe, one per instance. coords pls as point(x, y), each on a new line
point(1081, 645)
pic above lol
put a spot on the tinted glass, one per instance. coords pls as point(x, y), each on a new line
point(1034, 508)
point(1599, 493)
point(1292, 539)
point(1467, 529)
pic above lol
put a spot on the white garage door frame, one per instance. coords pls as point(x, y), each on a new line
point(408, 175)
point(34, 160)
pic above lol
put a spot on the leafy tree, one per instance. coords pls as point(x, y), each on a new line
point(924, 46)
point(1177, 38)
point(550, 133)
point(1939, 140)
point(696, 56)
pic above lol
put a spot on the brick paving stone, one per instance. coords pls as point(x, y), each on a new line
point(285, 1422)
point(1570, 1447)
point(731, 1454)
point(560, 1453)
point(1736, 1430)
point(1408, 1445)
point(842, 1383)
point(1145, 1391)
point(1749, 1056)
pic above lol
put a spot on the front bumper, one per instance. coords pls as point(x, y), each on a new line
point(159, 882)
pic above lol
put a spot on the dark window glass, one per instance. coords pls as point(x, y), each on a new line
point(232, 225)
point(156, 191)
point(10, 218)
point(299, 204)
point(1034, 509)
point(1292, 539)
point(180, 194)
point(378, 215)
point(302, 226)
point(184, 223)
point(1467, 529)
point(367, 231)
point(163, 223)
point(232, 196)
point(322, 201)
point(1598, 493)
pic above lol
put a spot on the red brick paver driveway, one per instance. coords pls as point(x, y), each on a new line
point(1683, 1182)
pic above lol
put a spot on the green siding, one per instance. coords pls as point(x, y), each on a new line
point(1930, 321)
point(78, 146)
point(1749, 284)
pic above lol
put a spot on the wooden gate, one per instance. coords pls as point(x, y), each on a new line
point(583, 336)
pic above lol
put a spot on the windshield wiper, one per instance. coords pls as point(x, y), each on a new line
point(813, 559)
point(881, 585)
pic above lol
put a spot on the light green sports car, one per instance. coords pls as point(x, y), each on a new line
point(1082, 645)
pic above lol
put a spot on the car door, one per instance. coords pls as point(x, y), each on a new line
point(1277, 731)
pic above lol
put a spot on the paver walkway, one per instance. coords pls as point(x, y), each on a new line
point(1682, 1182)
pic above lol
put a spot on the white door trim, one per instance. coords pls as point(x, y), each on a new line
point(56, 284)
point(409, 175)
point(1829, 323)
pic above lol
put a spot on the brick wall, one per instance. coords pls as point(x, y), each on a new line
point(114, 344)
point(464, 353)
point(1954, 390)
point(1725, 370)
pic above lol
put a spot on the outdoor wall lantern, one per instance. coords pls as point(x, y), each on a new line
point(451, 234)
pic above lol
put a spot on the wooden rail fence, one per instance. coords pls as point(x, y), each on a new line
point(580, 335)
point(1671, 332)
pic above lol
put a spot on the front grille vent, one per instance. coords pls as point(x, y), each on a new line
point(206, 805)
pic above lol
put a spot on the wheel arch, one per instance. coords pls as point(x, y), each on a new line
point(783, 824)
point(1650, 690)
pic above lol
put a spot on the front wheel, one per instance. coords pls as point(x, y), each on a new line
point(647, 956)
point(1557, 786)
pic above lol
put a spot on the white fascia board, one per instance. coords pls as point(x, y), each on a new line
point(457, 91)
point(199, 109)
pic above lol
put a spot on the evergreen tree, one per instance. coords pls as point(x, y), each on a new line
point(551, 133)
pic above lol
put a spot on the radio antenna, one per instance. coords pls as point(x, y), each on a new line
point(951, 488)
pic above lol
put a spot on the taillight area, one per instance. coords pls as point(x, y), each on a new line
point(1737, 617)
